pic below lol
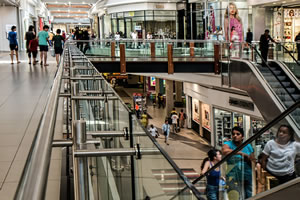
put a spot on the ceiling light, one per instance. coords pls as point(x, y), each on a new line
point(83, 2)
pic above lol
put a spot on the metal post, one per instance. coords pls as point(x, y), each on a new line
point(82, 167)
point(131, 157)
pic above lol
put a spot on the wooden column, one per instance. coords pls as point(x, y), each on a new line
point(122, 59)
point(217, 58)
point(152, 48)
point(113, 49)
point(192, 49)
point(170, 59)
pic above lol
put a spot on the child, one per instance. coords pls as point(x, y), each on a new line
point(13, 44)
point(58, 44)
point(33, 47)
point(234, 20)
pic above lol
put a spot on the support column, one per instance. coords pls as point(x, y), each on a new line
point(178, 90)
point(169, 97)
point(157, 86)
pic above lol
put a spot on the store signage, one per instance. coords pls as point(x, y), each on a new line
point(241, 103)
point(152, 81)
point(138, 28)
point(159, 6)
point(131, 14)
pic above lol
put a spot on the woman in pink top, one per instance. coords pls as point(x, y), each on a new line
point(234, 20)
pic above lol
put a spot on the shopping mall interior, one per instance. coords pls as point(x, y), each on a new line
point(149, 99)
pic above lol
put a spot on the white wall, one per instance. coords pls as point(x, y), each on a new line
point(8, 16)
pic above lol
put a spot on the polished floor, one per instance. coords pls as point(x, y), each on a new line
point(186, 148)
point(24, 90)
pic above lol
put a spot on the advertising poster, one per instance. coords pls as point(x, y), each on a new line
point(152, 81)
point(196, 111)
point(231, 19)
point(206, 116)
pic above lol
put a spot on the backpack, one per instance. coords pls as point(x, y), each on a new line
point(169, 120)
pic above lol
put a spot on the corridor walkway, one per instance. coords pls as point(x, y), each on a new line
point(24, 91)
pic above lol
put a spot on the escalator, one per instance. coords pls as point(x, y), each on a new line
point(272, 87)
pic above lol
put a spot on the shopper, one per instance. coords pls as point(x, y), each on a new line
point(86, 36)
point(13, 44)
point(249, 38)
point(160, 100)
point(153, 131)
point(239, 174)
point(29, 35)
point(134, 36)
point(64, 35)
point(174, 118)
point(144, 120)
point(173, 111)
point(166, 131)
point(279, 155)
point(33, 47)
point(264, 45)
point(78, 36)
point(213, 178)
point(182, 118)
point(297, 39)
point(43, 37)
point(58, 41)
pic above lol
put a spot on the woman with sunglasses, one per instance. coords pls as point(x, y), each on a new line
point(239, 171)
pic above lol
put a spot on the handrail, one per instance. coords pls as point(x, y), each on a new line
point(289, 53)
point(248, 141)
point(265, 62)
point(33, 182)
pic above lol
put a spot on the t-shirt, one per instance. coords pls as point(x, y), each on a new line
point(33, 44)
point(174, 119)
point(43, 36)
point(29, 36)
point(57, 39)
point(153, 131)
point(12, 37)
point(236, 165)
point(281, 159)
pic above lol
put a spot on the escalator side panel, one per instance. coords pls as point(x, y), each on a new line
point(244, 78)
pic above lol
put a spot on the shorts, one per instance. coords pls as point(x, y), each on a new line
point(13, 47)
point(34, 53)
point(58, 50)
point(43, 47)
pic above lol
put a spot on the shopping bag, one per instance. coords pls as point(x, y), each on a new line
point(52, 52)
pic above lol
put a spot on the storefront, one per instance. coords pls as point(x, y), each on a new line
point(201, 116)
point(215, 19)
point(291, 26)
point(225, 120)
point(160, 23)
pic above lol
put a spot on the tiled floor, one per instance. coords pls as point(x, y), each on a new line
point(24, 90)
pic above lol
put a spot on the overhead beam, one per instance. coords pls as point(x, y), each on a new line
point(71, 12)
point(67, 6)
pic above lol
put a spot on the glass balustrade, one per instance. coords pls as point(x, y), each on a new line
point(150, 174)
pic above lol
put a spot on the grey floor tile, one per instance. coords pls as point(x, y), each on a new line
point(4, 166)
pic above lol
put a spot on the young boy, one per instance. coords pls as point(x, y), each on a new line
point(33, 47)
point(58, 44)
point(13, 44)
point(43, 37)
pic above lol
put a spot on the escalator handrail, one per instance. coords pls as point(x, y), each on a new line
point(268, 66)
point(289, 53)
point(248, 141)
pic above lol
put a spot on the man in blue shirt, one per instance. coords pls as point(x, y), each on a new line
point(239, 171)
point(13, 44)
point(43, 43)
point(166, 131)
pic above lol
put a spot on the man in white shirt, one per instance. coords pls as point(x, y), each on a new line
point(134, 37)
point(174, 118)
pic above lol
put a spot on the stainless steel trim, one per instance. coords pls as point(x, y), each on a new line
point(113, 133)
point(115, 152)
point(93, 98)
point(62, 143)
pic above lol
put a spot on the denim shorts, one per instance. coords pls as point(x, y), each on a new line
point(212, 192)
